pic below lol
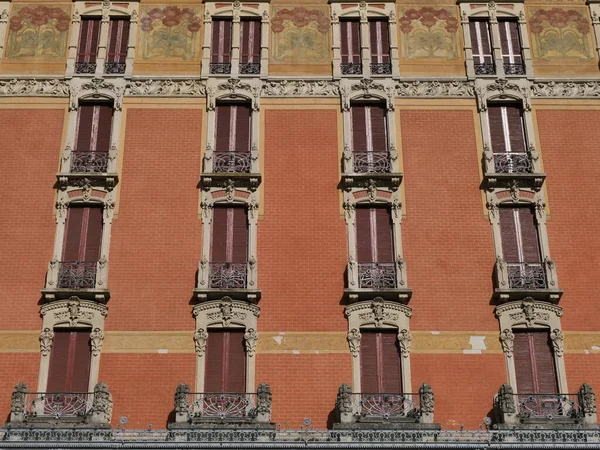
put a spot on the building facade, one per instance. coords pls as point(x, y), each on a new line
point(296, 221)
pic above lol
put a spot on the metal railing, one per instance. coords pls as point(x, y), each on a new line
point(114, 68)
point(529, 276)
point(351, 68)
point(58, 404)
point(219, 68)
point(249, 68)
point(371, 162)
point(484, 68)
point(85, 67)
point(226, 275)
point(513, 163)
point(77, 274)
point(514, 68)
point(548, 406)
point(222, 405)
point(377, 275)
point(89, 161)
point(386, 406)
point(381, 68)
point(231, 162)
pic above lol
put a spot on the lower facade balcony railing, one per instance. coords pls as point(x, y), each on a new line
point(85, 68)
point(351, 68)
point(376, 275)
point(504, 169)
point(249, 68)
point(513, 163)
point(577, 409)
point(197, 408)
point(77, 275)
point(371, 162)
point(114, 68)
point(367, 280)
point(226, 275)
point(381, 68)
point(527, 276)
point(85, 279)
point(61, 407)
point(231, 162)
point(219, 68)
point(514, 68)
point(354, 409)
point(89, 161)
point(535, 279)
point(484, 68)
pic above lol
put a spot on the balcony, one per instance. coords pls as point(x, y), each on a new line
point(537, 280)
point(95, 167)
point(238, 168)
point(389, 410)
point(545, 410)
point(85, 68)
point(367, 280)
point(364, 168)
point(114, 68)
point(249, 68)
point(514, 69)
point(381, 68)
point(351, 68)
point(219, 68)
point(501, 170)
point(486, 68)
point(207, 410)
point(60, 409)
point(86, 279)
point(234, 279)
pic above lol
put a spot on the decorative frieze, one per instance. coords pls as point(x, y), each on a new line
point(166, 88)
point(34, 88)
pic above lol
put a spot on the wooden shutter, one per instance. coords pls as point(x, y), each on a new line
point(223, 128)
point(534, 362)
point(83, 237)
point(118, 38)
point(249, 41)
point(69, 361)
point(350, 48)
point(518, 229)
point(506, 128)
point(374, 237)
point(87, 49)
point(380, 365)
point(220, 51)
point(379, 41)
point(385, 246)
point(359, 128)
point(229, 235)
point(239, 247)
point(233, 127)
point(219, 235)
point(510, 41)
point(242, 128)
point(94, 127)
point(225, 361)
point(481, 41)
point(529, 236)
point(369, 130)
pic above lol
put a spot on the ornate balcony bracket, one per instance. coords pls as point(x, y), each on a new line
point(497, 180)
point(371, 181)
point(107, 181)
point(249, 181)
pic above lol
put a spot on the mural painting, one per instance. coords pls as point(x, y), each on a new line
point(170, 32)
point(429, 33)
point(300, 35)
point(560, 33)
point(38, 31)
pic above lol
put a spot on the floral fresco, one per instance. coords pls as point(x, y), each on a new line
point(429, 33)
point(170, 32)
point(38, 31)
point(560, 33)
point(300, 35)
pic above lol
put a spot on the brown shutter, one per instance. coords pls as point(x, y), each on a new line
point(59, 359)
point(213, 379)
point(219, 234)
point(524, 362)
point(514, 115)
point(85, 120)
point(496, 129)
point(84, 234)
point(378, 128)
point(509, 34)
point(369, 374)
point(379, 38)
point(235, 373)
point(94, 125)
point(118, 36)
point(482, 49)
point(249, 41)
point(105, 116)
point(221, 41)
point(81, 361)
point(508, 233)
point(534, 362)
point(390, 357)
point(364, 251)
point(385, 246)
point(69, 361)
point(350, 45)
point(223, 127)
point(544, 363)
point(239, 235)
point(359, 128)
point(242, 128)
point(529, 235)
point(72, 240)
point(93, 239)
point(87, 49)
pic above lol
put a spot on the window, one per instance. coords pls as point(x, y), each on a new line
point(250, 46)
point(89, 40)
point(379, 46)
point(81, 248)
point(220, 52)
point(229, 248)
point(369, 139)
point(87, 49)
point(379, 35)
point(70, 361)
point(510, 43)
point(534, 363)
point(375, 248)
point(225, 362)
point(380, 362)
point(507, 135)
point(232, 138)
point(116, 52)
point(93, 138)
point(350, 47)
point(481, 42)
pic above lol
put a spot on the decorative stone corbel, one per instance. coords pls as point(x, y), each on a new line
point(353, 338)
point(343, 404)
point(250, 338)
point(200, 338)
point(427, 401)
point(587, 400)
point(46, 338)
point(507, 339)
point(17, 402)
point(264, 400)
point(102, 404)
point(404, 340)
point(182, 404)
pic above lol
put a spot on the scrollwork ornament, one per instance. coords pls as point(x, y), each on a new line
point(350, 208)
point(61, 208)
point(250, 338)
point(507, 339)
point(540, 208)
point(46, 338)
point(96, 340)
point(226, 307)
point(73, 308)
point(353, 338)
point(207, 208)
point(557, 338)
point(404, 340)
point(378, 309)
point(200, 339)
point(396, 206)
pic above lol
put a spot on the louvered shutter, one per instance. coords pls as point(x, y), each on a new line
point(506, 121)
point(85, 122)
point(87, 49)
point(378, 133)
point(249, 41)
point(221, 41)
point(364, 238)
point(215, 357)
point(223, 127)
point(239, 246)
point(225, 362)
point(242, 128)
point(118, 37)
point(508, 233)
point(94, 126)
point(385, 246)
point(359, 128)
point(391, 372)
point(510, 41)
point(514, 127)
point(219, 235)
point(105, 117)
point(229, 235)
point(544, 363)
point(84, 234)
point(534, 362)
point(350, 45)
point(369, 373)
point(81, 360)
point(72, 240)
point(235, 372)
point(529, 235)
point(481, 41)
point(69, 361)
point(93, 239)
point(496, 129)
point(379, 41)
point(59, 359)
point(523, 355)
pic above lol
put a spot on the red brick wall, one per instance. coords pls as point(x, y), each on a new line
point(30, 156)
point(156, 241)
point(447, 241)
point(16, 367)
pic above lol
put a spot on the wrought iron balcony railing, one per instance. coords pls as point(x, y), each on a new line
point(513, 163)
point(85, 68)
point(548, 406)
point(220, 68)
point(226, 275)
point(250, 68)
point(381, 68)
point(89, 161)
point(351, 68)
point(484, 68)
point(231, 162)
point(77, 274)
point(514, 69)
point(114, 68)
point(526, 276)
point(377, 275)
point(371, 162)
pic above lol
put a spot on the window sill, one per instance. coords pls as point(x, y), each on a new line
point(546, 295)
point(365, 180)
point(94, 179)
point(98, 295)
point(504, 180)
point(249, 181)
point(402, 295)
point(208, 294)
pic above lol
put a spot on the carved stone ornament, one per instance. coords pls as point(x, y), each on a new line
point(557, 338)
point(200, 338)
point(17, 400)
point(506, 399)
point(166, 88)
point(507, 339)
point(404, 340)
point(96, 340)
point(102, 403)
point(353, 338)
point(24, 87)
point(264, 399)
point(344, 399)
point(250, 338)
point(587, 398)
point(566, 89)
point(432, 89)
point(427, 398)
point(46, 338)
point(300, 88)
point(182, 393)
